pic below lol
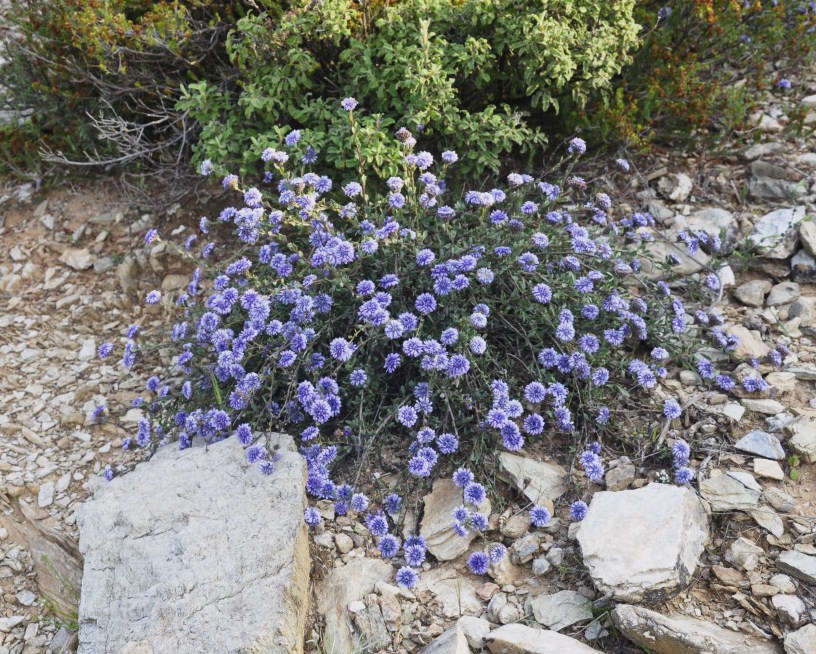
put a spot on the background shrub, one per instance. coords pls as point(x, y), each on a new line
point(702, 64)
point(477, 75)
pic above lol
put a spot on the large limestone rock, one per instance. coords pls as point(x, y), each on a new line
point(437, 521)
point(453, 641)
point(537, 480)
point(774, 234)
point(663, 634)
point(519, 639)
point(196, 551)
point(643, 544)
point(732, 491)
point(802, 641)
point(561, 610)
point(799, 565)
point(337, 590)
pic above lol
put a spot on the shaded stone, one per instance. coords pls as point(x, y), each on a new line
point(475, 630)
point(779, 500)
point(371, 627)
point(783, 293)
point(337, 590)
point(535, 479)
point(437, 524)
point(728, 576)
point(807, 234)
point(620, 475)
point(678, 634)
point(801, 434)
point(760, 443)
point(455, 593)
point(728, 492)
point(796, 564)
point(560, 610)
point(774, 235)
point(520, 639)
point(790, 609)
point(675, 186)
point(763, 150)
point(169, 560)
point(453, 641)
point(803, 267)
point(744, 554)
point(802, 641)
point(716, 222)
point(666, 525)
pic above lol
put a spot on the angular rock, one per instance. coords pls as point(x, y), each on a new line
point(753, 293)
point(807, 234)
point(455, 593)
point(562, 609)
point(760, 443)
point(796, 564)
point(78, 259)
point(520, 639)
point(453, 641)
point(790, 609)
point(762, 150)
point(750, 343)
point(768, 519)
point(774, 235)
point(801, 434)
point(169, 560)
point(46, 495)
point(802, 641)
point(666, 525)
point(437, 524)
point(763, 405)
point(803, 267)
point(620, 475)
point(744, 554)
point(663, 634)
point(535, 479)
point(716, 222)
point(337, 590)
point(676, 186)
point(779, 500)
point(371, 627)
point(730, 492)
point(475, 630)
point(783, 293)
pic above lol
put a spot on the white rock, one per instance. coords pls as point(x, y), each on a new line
point(726, 276)
point(437, 524)
point(676, 186)
point(170, 560)
point(801, 434)
point(88, 350)
point(783, 293)
point(744, 554)
point(783, 582)
point(456, 594)
point(768, 519)
point(78, 259)
point(26, 597)
point(750, 343)
point(762, 444)
point(337, 590)
point(666, 525)
point(807, 234)
point(802, 641)
point(453, 641)
point(790, 609)
point(562, 609)
point(799, 565)
point(679, 634)
point(716, 222)
point(762, 405)
point(520, 639)
point(46, 495)
point(536, 479)
point(774, 235)
point(753, 293)
point(729, 493)
point(475, 630)
point(7, 624)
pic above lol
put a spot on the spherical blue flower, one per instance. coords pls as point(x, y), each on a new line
point(377, 524)
point(425, 303)
point(534, 424)
point(478, 345)
point(311, 516)
point(449, 157)
point(681, 453)
point(578, 510)
point(683, 475)
point(352, 189)
point(406, 577)
point(414, 555)
point(474, 493)
point(359, 502)
point(447, 443)
point(535, 392)
point(539, 516)
point(458, 365)
point(496, 553)
point(479, 521)
point(244, 434)
point(349, 104)
point(341, 349)
point(425, 257)
point(105, 350)
point(671, 409)
point(358, 378)
point(393, 503)
point(542, 293)
point(478, 562)
point(153, 297)
point(511, 436)
point(388, 546)
point(462, 477)
point(577, 146)
point(392, 362)
point(407, 416)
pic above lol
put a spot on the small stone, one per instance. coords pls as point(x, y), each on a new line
point(729, 493)
point(46, 495)
point(774, 235)
point(802, 641)
point(783, 582)
point(326, 539)
point(796, 564)
point(676, 186)
point(728, 576)
point(520, 639)
point(620, 475)
point(716, 222)
point(766, 406)
point(535, 479)
point(780, 500)
point(753, 293)
point(785, 382)
point(516, 526)
point(783, 293)
point(750, 343)
point(452, 641)
point(560, 610)
point(763, 150)
point(763, 590)
point(679, 634)
point(26, 598)
point(803, 267)
point(524, 549)
point(541, 566)
point(78, 259)
point(371, 626)
point(801, 434)
point(475, 630)
point(769, 125)
point(744, 554)
point(790, 609)
point(762, 444)
point(768, 519)
point(496, 604)
point(7, 624)
point(344, 543)
point(807, 234)
point(768, 469)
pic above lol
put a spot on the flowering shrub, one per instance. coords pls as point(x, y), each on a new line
point(691, 54)
point(364, 313)
point(468, 72)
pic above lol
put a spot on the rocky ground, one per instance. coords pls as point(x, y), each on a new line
point(726, 565)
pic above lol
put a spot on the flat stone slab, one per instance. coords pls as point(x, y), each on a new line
point(643, 544)
point(802, 641)
point(731, 492)
point(196, 551)
point(762, 444)
point(520, 639)
point(537, 480)
point(662, 634)
point(799, 565)
point(437, 520)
